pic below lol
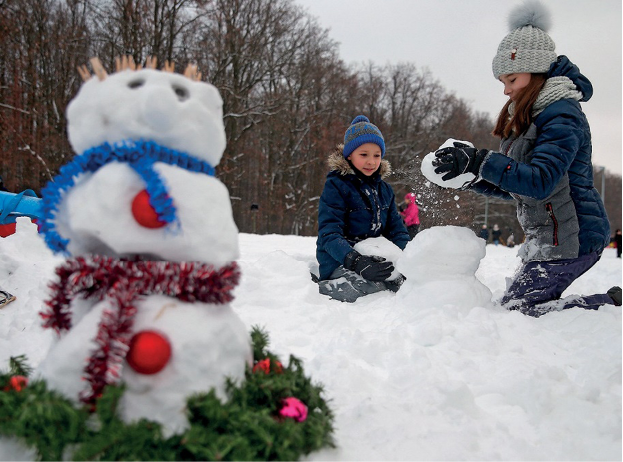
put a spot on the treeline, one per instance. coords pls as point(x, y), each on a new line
point(288, 97)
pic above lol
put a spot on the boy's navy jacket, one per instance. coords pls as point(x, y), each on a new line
point(352, 209)
point(548, 171)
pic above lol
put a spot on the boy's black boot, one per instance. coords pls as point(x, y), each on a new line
point(615, 295)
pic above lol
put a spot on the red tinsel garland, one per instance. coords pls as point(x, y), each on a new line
point(122, 282)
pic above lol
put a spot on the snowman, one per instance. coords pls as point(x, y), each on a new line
point(440, 264)
point(151, 244)
point(453, 254)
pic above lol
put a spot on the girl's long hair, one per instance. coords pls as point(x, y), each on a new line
point(522, 119)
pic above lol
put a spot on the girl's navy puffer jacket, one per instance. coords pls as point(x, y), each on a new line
point(548, 171)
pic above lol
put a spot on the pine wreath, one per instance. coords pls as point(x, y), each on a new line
point(277, 413)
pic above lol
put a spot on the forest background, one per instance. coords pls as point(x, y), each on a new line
point(288, 98)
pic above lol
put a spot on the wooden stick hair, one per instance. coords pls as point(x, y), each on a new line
point(98, 68)
point(191, 72)
point(84, 73)
point(168, 66)
point(150, 62)
point(126, 62)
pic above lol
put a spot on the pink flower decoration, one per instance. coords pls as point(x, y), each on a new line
point(293, 408)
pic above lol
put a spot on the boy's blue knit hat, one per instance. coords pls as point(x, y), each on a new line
point(361, 131)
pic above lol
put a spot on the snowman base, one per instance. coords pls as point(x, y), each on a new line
point(276, 413)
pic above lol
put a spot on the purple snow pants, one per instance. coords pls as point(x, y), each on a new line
point(538, 285)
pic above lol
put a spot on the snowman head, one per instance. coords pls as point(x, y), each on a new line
point(173, 110)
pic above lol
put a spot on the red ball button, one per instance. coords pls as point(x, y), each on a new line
point(144, 214)
point(149, 352)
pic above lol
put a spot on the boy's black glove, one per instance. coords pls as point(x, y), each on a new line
point(454, 161)
point(370, 267)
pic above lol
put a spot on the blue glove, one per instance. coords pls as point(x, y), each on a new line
point(454, 161)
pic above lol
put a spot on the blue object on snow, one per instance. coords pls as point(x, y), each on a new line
point(24, 204)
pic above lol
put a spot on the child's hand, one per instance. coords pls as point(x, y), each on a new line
point(454, 161)
point(370, 267)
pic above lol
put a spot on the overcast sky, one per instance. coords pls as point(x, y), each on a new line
point(457, 39)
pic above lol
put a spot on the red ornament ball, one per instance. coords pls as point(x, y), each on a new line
point(149, 352)
point(264, 365)
point(17, 383)
point(143, 212)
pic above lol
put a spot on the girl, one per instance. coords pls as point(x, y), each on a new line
point(544, 165)
point(357, 204)
point(411, 214)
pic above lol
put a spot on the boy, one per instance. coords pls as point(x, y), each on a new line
point(357, 204)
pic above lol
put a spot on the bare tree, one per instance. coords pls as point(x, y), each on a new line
point(144, 28)
point(288, 99)
point(266, 58)
point(39, 45)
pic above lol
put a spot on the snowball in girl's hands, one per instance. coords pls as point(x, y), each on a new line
point(428, 169)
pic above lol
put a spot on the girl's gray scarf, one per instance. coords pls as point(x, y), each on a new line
point(555, 89)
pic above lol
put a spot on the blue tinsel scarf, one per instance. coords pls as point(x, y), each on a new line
point(141, 156)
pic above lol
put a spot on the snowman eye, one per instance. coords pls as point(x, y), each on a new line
point(136, 84)
point(181, 92)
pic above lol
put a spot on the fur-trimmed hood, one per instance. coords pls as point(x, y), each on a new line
point(337, 163)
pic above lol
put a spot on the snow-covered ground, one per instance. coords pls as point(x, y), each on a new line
point(429, 373)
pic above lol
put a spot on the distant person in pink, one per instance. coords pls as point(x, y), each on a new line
point(411, 215)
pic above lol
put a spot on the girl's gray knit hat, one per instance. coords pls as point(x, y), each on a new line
point(528, 47)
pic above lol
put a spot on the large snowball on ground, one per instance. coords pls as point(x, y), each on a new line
point(429, 171)
point(164, 107)
point(440, 265)
point(381, 247)
point(209, 343)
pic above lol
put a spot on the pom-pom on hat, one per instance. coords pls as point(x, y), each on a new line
point(528, 47)
point(361, 131)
